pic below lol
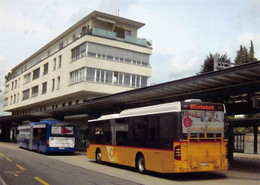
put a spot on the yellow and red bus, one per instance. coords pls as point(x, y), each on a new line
point(173, 137)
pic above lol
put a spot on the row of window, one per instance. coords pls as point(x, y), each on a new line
point(108, 77)
point(35, 74)
point(152, 131)
point(109, 53)
point(44, 108)
point(46, 54)
point(33, 92)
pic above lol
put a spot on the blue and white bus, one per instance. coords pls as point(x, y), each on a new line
point(47, 136)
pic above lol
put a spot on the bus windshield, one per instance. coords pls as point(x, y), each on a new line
point(201, 121)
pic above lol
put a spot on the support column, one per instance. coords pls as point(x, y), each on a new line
point(230, 136)
point(5, 135)
point(255, 138)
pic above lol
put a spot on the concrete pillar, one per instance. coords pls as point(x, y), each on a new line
point(5, 133)
point(255, 138)
point(230, 136)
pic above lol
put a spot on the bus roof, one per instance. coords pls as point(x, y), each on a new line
point(154, 109)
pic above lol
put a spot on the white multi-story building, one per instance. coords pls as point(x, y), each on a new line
point(99, 55)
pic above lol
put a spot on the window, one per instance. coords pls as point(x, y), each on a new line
point(53, 84)
point(19, 82)
point(90, 74)
point(35, 91)
point(60, 59)
point(78, 76)
point(54, 64)
point(26, 94)
point(36, 73)
point(78, 52)
point(5, 101)
point(61, 45)
point(144, 81)
point(58, 82)
point(6, 88)
point(117, 54)
point(128, 32)
point(108, 77)
point(118, 78)
point(45, 68)
point(14, 99)
point(15, 84)
point(44, 87)
point(127, 79)
point(27, 78)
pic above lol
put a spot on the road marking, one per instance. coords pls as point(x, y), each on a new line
point(41, 181)
point(15, 173)
point(20, 167)
point(1, 155)
point(8, 159)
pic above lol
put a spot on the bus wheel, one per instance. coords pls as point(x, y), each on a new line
point(98, 156)
point(140, 164)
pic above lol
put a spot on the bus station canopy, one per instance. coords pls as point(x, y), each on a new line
point(234, 86)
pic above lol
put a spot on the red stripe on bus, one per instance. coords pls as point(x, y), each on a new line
point(160, 149)
point(195, 141)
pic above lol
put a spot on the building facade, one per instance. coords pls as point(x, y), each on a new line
point(98, 56)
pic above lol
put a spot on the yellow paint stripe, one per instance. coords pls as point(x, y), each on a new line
point(41, 181)
point(8, 159)
point(16, 175)
point(1, 155)
point(22, 168)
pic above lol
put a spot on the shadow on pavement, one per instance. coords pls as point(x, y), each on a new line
point(245, 165)
point(177, 176)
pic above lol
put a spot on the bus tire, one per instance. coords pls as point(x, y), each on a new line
point(140, 164)
point(98, 156)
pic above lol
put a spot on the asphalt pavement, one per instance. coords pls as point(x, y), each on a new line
point(244, 170)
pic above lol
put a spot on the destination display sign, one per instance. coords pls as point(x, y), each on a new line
point(202, 106)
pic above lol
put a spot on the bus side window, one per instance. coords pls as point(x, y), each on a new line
point(107, 138)
point(141, 131)
point(166, 131)
point(121, 138)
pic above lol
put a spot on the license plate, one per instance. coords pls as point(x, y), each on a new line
point(204, 164)
point(61, 148)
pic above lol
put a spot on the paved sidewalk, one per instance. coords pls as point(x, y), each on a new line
point(246, 156)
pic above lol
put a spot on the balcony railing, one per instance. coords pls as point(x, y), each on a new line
point(129, 39)
point(135, 40)
point(103, 33)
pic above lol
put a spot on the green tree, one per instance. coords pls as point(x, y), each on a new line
point(208, 64)
point(251, 54)
point(243, 56)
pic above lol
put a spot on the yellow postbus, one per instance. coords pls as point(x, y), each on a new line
point(173, 137)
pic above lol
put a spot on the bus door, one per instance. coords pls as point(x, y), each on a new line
point(39, 136)
point(30, 144)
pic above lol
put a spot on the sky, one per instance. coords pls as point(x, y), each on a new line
point(183, 32)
